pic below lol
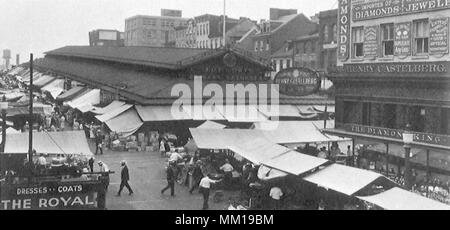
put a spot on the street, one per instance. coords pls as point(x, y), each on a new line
point(147, 178)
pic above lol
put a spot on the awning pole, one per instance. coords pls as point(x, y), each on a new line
point(387, 159)
point(428, 171)
point(30, 122)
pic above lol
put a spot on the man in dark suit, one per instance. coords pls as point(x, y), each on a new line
point(170, 179)
point(125, 177)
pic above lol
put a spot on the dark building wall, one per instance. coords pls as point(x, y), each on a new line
point(328, 46)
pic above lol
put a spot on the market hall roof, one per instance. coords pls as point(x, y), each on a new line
point(158, 57)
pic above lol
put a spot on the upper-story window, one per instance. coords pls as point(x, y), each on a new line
point(267, 45)
point(421, 36)
point(261, 45)
point(335, 33)
point(256, 45)
point(387, 39)
point(326, 34)
point(313, 47)
point(358, 42)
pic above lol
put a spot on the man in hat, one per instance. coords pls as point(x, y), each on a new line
point(205, 186)
point(171, 177)
point(104, 169)
point(99, 142)
point(91, 164)
point(125, 177)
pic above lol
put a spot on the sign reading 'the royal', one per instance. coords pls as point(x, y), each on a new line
point(297, 81)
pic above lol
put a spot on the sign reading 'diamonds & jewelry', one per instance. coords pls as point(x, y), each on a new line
point(402, 39)
point(298, 82)
point(344, 30)
point(439, 36)
point(370, 9)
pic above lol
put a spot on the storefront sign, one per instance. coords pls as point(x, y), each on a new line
point(390, 68)
point(402, 39)
point(298, 81)
point(344, 30)
point(425, 138)
point(439, 36)
point(371, 42)
point(370, 9)
point(48, 197)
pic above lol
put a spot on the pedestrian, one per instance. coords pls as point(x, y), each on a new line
point(170, 172)
point(91, 164)
point(162, 147)
point(99, 142)
point(276, 194)
point(205, 186)
point(62, 121)
point(349, 156)
point(228, 169)
point(104, 169)
point(125, 177)
point(197, 175)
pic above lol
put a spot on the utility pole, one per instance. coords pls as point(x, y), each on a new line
point(30, 121)
point(224, 24)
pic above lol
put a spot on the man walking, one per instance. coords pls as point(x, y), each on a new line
point(125, 177)
point(205, 186)
point(170, 180)
point(99, 142)
point(104, 169)
point(91, 164)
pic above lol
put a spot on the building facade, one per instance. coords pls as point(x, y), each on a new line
point(186, 36)
point(103, 37)
point(392, 70)
point(327, 40)
point(156, 31)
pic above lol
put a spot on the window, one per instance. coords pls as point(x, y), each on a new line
point(267, 45)
point(288, 65)
point(326, 34)
point(313, 47)
point(335, 33)
point(358, 42)
point(366, 114)
point(261, 45)
point(387, 39)
point(421, 36)
point(256, 45)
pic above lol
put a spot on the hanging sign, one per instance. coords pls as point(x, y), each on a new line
point(371, 42)
point(439, 36)
point(344, 30)
point(298, 81)
point(402, 39)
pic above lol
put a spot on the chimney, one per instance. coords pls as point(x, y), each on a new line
point(17, 59)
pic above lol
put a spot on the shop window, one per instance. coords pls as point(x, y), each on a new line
point(349, 108)
point(288, 63)
point(358, 42)
point(326, 34)
point(366, 114)
point(387, 36)
point(334, 33)
point(445, 121)
point(389, 116)
point(421, 36)
point(416, 118)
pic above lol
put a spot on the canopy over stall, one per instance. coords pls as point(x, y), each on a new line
point(126, 123)
point(161, 113)
point(49, 142)
point(203, 112)
point(42, 81)
point(54, 88)
point(219, 139)
point(113, 113)
point(280, 111)
point(114, 105)
point(343, 179)
point(37, 109)
point(266, 173)
point(242, 113)
point(295, 163)
point(71, 94)
point(92, 97)
point(257, 150)
point(399, 199)
point(211, 125)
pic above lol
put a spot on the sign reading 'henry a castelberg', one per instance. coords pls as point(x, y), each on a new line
point(298, 81)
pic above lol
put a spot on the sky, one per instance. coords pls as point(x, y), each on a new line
point(37, 26)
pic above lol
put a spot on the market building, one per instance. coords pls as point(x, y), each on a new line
point(392, 70)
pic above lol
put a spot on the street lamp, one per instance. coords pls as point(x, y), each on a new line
point(408, 139)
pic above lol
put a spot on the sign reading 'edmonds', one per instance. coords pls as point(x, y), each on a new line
point(298, 82)
point(344, 30)
point(369, 9)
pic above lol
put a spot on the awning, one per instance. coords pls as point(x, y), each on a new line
point(211, 125)
point(399, 199)
point(294, 132)
point(125, 124)
point(321, 108)
point(70, 142)
point(36, 76)
point(11, 130)
point(14, 95)
point(280, 111)
point(343, 179)
point(92, 97)
point(114, 105)
point(295, 163)
point(220, 139)
point(266, 173)
point(242, 113)
point(15, 70)
point(203, 112)
point(161, 113)
point(55, 88)
point(191, 146)
point(257, 150)
point(42, 81)
point(72, 93)
point(113, 113)
point(37, 109)
point(306, 109)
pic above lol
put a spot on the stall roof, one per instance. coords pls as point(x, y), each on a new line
point(92, 97)
point(222, 138)
point(257, 150)
point(280, 111)
point(72, 93)
point(399, 199)
point(37, 109)
point(69, 142)
point(211, 125)
point(321, 108)
point(266, 173)
point(295, 163)
point(161, 113)
point(242, 113)
point(203, 112)
point(343, 179)
point(294, 132)
point(55, 88)
point(126, 123)
point(113, 113)
point(114, 105)
point(42, 81)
